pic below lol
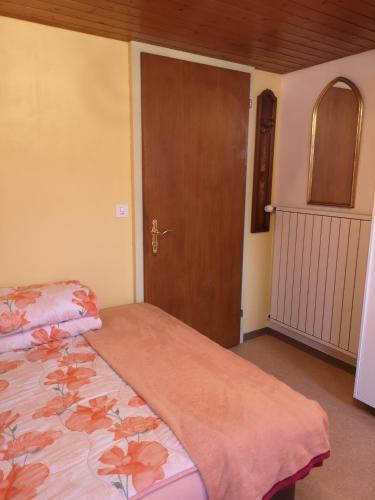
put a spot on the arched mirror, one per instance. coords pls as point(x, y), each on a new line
point(335, 137)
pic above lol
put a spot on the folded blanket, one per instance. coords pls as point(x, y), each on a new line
point(26, 308)
point(49, 333)
point(245, 430)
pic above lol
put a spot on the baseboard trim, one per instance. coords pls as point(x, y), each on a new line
point(324, 351)
point(256, 333)
point(316, 349)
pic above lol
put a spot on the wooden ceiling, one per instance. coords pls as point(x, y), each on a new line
point(274, 35)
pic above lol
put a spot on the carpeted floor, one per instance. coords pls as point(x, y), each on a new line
point(350, 472)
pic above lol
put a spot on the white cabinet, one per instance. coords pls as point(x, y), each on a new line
point(365, 377)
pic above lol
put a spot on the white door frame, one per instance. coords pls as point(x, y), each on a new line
point(135, 50)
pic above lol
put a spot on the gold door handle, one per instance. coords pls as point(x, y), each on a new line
point(155, 234)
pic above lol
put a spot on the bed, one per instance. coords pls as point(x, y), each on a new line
point(62, 409)
point(72, 427)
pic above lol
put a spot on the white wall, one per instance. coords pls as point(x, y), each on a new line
point(299, 91)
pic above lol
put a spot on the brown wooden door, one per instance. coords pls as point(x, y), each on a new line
point(194, 129)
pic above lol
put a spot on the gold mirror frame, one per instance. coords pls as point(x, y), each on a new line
point(358, 97)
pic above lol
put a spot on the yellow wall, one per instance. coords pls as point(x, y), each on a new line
point(66, 162)
point(258, 270)
point(64, 159)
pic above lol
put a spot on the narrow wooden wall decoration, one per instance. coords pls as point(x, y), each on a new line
point(263, 160)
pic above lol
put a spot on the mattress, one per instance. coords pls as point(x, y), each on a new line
point(71, 428)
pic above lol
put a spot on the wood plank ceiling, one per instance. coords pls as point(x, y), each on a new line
point(273, 35)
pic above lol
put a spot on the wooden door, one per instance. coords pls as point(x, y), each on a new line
point(194, 132)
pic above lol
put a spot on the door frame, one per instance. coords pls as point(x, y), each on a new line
point(135, 51)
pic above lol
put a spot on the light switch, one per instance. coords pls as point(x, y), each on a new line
point(122, 210)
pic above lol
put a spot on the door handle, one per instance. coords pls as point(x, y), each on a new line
point(155, 235)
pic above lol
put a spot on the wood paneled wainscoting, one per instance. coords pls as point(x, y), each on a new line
point(319, 270)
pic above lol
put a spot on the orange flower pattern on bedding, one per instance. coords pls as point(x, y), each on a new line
point(70, 413)
point(22, 481)
point(81, 342)
point(6, 366)
point(93, 417)
point(78, 357)
point(57, 405)
point(143, 462)
point(73, 378)
point(3, 385)
point(12, 320)
point(7, 418)
point(22, 297)
point(41, 335)
point(87, 301)
point(136, 401)
point(134, 425)
point(32, 307)
point(45, 352)
point(30, 442)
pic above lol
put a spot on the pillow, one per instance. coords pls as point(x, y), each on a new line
point(26, 308)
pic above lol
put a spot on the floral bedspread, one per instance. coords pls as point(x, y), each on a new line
point(70, 427)
point(29, 307)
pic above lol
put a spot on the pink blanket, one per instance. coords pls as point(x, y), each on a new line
point(245, 430)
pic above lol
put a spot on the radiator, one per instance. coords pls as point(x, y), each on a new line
point(319, 270)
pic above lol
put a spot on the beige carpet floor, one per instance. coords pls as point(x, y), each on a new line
point(350, 472)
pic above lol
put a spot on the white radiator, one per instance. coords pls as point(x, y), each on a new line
point(319, 270)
